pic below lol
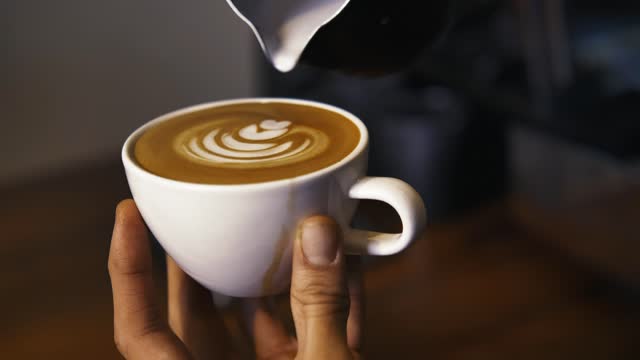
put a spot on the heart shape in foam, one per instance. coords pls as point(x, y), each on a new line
point(270, 124)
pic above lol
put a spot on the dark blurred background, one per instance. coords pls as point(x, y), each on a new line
point(519, 128)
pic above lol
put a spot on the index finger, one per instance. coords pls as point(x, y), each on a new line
point(139, 330)
point(356, 303)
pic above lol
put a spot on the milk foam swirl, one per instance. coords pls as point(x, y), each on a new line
point(237, 144)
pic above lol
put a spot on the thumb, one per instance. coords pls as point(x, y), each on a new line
point(319, 295)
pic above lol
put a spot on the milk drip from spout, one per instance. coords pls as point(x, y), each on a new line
point(356, 36)
point(284, 28)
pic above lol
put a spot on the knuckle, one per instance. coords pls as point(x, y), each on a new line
point(153, 324)
point(128, 337)
point(121, 342)
point(120, 263)
point(314, 299)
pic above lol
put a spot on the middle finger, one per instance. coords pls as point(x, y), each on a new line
point(193, 316)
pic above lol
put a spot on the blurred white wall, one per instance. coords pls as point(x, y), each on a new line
point(77, 76)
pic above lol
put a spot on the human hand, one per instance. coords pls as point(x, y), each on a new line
point(325, 302)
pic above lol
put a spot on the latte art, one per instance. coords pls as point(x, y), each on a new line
point(245, 143)
point(235, 144)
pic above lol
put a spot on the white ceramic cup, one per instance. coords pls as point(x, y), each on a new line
point(237, 239)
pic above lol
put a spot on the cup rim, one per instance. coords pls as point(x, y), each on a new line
point(131, 165)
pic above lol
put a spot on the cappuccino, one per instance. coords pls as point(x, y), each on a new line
point(246, 143)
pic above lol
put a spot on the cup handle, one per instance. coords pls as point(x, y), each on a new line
point(404, 200)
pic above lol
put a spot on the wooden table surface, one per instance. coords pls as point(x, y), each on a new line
point(503, 282)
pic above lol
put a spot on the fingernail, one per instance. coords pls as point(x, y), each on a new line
point(319, 243)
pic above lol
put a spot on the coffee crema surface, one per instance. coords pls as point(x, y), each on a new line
point(246, 143)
